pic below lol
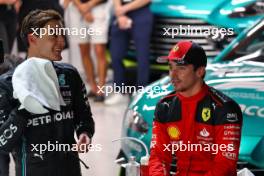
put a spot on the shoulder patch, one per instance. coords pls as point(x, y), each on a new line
point(168, 97)
point(229, 113)
point(168, 109)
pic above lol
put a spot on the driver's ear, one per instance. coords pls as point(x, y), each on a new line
point(200, 71)
point(31, 39)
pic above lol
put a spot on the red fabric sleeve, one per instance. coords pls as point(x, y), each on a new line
point(160, 157)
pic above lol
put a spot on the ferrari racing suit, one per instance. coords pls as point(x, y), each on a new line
point(202, 131)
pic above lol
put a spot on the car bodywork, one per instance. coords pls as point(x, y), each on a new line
point(171, 15)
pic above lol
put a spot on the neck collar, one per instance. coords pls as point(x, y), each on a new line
point(195, 97)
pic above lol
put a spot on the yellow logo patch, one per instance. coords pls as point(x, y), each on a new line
point(206, 114)
point(173, 132)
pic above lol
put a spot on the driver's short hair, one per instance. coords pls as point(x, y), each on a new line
point(37, 19)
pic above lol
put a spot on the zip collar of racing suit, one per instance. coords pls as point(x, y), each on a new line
point(198, 96)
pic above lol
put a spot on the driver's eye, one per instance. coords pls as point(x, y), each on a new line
point(176, 69)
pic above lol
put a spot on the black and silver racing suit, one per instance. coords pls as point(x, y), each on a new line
point(20, 131)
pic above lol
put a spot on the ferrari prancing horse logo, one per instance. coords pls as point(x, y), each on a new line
point(206, 114)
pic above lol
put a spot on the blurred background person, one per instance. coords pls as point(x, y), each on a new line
point(93, 15)
point(7, 63)
point(133, 20)
point(8, 21)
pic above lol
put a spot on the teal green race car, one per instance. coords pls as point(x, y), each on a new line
point(225, 19)
point(239, 72)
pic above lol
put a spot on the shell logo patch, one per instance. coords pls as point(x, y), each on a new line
point(173, 132)
point(206, 114)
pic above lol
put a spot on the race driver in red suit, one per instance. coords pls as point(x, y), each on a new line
point(198, 124)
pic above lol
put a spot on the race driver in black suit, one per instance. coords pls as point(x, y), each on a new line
point(21, 130)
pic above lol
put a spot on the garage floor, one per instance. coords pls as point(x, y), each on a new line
point(108, 127)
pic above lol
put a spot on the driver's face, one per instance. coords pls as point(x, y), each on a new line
point(50, 46)
point(183, 77)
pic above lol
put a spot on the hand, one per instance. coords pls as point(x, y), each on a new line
point(84, 8)
point(89, 17)
point(83, 143)
point(66, 3)
point(17, 6)
point(120, 11)
point(9, 2)
point(124, 22)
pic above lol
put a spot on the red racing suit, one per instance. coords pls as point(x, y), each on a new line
point(203, 132)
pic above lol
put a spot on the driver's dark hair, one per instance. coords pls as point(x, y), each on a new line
point(37, 19)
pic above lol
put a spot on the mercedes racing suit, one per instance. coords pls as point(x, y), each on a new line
point(22, 133)
point(203, 132)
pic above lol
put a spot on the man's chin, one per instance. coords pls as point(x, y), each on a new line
point(57, 58)
point(177, 88)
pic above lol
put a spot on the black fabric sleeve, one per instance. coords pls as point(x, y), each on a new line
point(12, 121)
point(12, 130)
point(82, 111)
